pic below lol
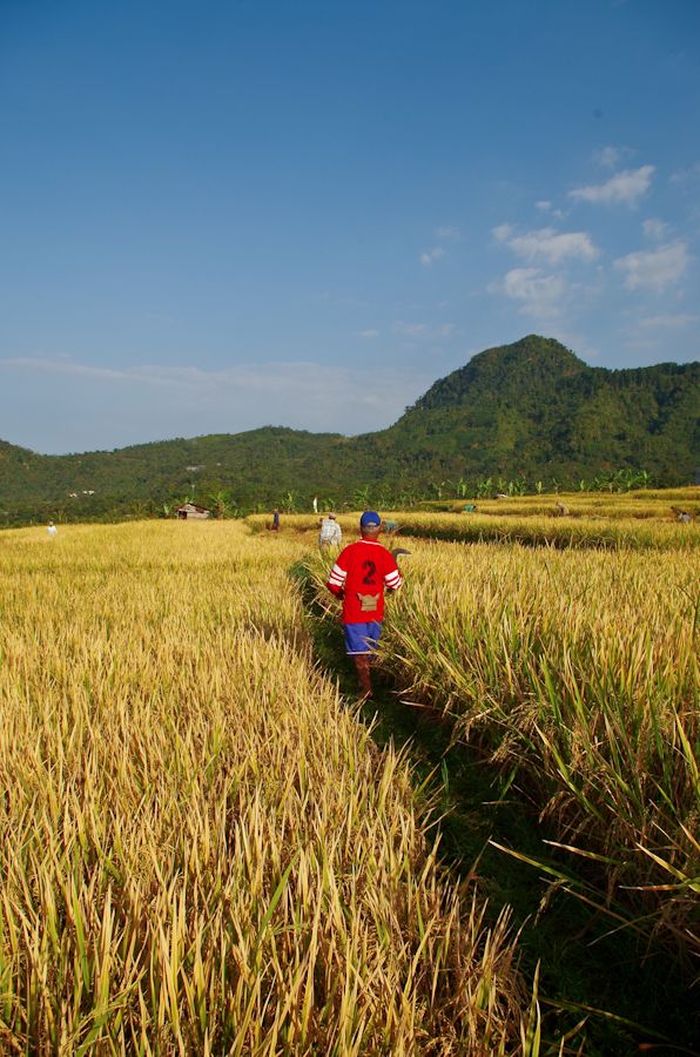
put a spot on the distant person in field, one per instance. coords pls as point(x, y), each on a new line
point(275, 520)
point(52, 530)
point(315, 504)
point(362, 571)
point(331, 534)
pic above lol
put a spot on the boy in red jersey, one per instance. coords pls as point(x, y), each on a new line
point(361, 573)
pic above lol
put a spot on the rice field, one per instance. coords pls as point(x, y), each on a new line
point(577, 672)
point(642, 504)
point(202, 850)
point(623, 522)
point(561, 533)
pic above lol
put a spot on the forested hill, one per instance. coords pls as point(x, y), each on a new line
point(534, 408)
point(528, 410)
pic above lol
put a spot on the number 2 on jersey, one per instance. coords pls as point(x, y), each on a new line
point(370, 576)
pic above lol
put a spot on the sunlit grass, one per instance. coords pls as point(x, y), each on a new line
point(562, 533)
point(645, 503)
point(535, 527)
point(578, 672)
point(202, 851)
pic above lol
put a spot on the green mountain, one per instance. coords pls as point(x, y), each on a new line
point(531, 410)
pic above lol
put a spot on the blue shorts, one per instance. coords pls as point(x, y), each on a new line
point(362, 638)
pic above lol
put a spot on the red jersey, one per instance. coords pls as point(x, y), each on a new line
point(359, 576)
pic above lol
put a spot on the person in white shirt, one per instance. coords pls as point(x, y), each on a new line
point(331, 534)
point(52, 530)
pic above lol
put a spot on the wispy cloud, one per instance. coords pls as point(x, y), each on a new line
point(545, 206)
point(654, 270)
point(689, 175)
point(654, 228)
point(448, 232)
point(61, 365)
point(302, 395)
point(409, 330)
point(626, 187)
point(669, 322)
point(548, 244)
point(503, 232)
point(610, 157)
point(369, 333)
point(428, 257)
point(539, 295)
point(424, 331)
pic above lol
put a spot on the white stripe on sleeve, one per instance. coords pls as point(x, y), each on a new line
point(338, 576)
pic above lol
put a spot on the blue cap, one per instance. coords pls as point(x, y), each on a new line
point(370, 517)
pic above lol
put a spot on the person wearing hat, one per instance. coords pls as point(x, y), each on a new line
point(331, 533)
point(360, 575)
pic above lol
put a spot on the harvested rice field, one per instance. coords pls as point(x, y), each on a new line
point(210, 848)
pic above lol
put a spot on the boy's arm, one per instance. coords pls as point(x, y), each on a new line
point(336, 580)
point(393, 578)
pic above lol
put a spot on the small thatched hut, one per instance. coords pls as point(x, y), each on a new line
point(192, 512)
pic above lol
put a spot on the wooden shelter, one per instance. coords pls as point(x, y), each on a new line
point(192, 512)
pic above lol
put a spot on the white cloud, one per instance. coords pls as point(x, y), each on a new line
point(548, 244)
point(545, 206)
point(654, 269)
point(539, 295)
point(448, 232)
point(369, 333)
point(502, 233)
point(669, 321)
point(428, 257)
point(654, 229)
point(627, 187)
point(610, 157)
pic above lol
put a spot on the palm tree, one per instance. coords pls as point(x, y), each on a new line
point(361, 497)
point(221, 503)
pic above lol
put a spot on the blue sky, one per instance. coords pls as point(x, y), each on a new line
point(220, 215)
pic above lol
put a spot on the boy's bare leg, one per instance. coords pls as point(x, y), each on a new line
point(363, 673)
